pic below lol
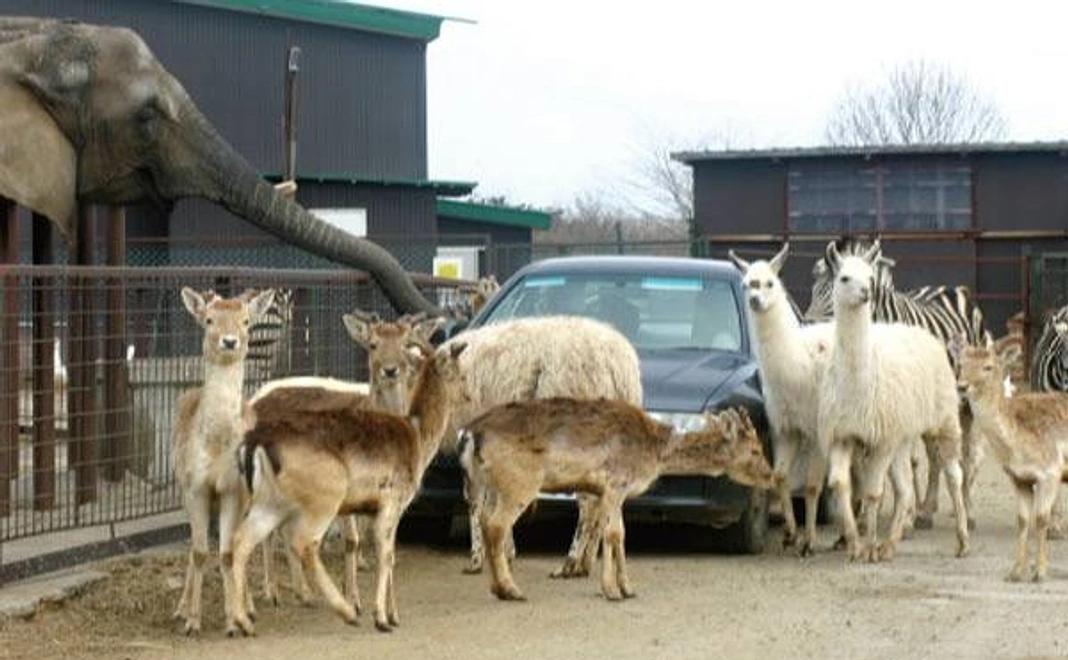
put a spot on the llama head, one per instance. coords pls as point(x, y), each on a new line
point(821, 302)
point(854, 280)
point(763, 288)
point(226, 321)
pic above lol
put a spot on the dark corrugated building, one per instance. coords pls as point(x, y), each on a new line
point(981, 215)
point(361, 110)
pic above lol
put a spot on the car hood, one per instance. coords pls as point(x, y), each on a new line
point(692, 381)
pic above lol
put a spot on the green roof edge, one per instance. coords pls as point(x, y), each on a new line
point(446, 188)
point(501, 215)
point(424, 27)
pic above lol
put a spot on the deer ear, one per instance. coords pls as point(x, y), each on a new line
point(358, 326)
point(426, 328)
point(194, 302)
point(260, 303)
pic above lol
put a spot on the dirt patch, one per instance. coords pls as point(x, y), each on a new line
point(925, 603)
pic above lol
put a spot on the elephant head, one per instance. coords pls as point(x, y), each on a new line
point(87, 113)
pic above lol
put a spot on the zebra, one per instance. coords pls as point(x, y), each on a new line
point(1049, 366)
point(270, 339)
point(945, 312)
point(948, 313)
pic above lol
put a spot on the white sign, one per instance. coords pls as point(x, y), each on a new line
point(352, 220)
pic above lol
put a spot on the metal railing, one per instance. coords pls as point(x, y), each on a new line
point(93, 360)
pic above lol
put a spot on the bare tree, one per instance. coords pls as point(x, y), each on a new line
point(919, 102)
point(590, 219)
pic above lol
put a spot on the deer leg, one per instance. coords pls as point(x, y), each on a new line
point(1045, 495)
point(1024, 509)
point(351, 533)
point(257, 525)
point(497, 522)
point(614, 581)
point(230, 508)
point(385, 531)
point(307, 535)
point(198, 507)
point(474, 496)
point(955, 483)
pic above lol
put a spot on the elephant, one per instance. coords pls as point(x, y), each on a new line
point(88, 114)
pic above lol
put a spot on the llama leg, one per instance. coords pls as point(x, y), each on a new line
point(198, 507)
point(352, 553)
point(1024, 508)
point(872, 495)
point(1045, 494)
point(785, 457)
point(1057, 526)
point(840, 481)
point(904, 503)
point(816, 473)
point(929, 506)
point(497, 522)
point(257, 525)
point(955, 481)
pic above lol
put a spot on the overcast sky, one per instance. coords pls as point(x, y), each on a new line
point(545, 100)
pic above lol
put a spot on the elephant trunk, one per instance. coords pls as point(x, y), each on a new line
point(240, 189)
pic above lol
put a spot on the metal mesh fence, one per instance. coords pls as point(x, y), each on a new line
point(93, 360)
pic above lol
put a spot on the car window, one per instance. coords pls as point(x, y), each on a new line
point(653, 312)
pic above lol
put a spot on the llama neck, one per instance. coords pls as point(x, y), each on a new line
point(852, 340)
point(777, 333)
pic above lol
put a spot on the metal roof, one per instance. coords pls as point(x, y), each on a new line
point(339, 13)
point(869, 151)
point(445, 188)
point(498, 215)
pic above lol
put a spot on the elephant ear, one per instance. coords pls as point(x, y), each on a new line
point(38, 164)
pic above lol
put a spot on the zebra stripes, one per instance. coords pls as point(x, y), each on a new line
point(269, 339)
point(1049, 366)
point(945, 312)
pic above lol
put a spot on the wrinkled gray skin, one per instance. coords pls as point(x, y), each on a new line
point(87, 113)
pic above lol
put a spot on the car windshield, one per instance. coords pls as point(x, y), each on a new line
point(652, 311)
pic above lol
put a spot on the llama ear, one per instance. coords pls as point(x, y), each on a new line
point(739, 263)
point(874, 252)
point(780, 258)
point(194, 302)
point(834, 259)
point(456, 349)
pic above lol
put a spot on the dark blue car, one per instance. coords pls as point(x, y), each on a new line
point(687, 320)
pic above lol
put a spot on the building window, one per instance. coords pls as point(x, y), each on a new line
point(887, 197)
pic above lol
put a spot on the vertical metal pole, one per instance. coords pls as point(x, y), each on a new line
point(292, 68)
point(82, 407)
point(116, 449)
point(44, 397)
point(9, 355)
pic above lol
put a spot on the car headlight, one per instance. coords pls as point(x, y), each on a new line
point(682, 422)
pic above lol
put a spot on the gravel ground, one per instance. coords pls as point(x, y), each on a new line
point(924, 603)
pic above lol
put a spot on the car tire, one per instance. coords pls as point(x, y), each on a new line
point(749, 534)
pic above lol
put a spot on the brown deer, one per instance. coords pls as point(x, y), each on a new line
point(211, 423)
point(1028, 434)
point(395, 353)
point(308, 463)
point(603, 447)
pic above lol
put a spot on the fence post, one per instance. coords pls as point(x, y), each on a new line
point(82, 408)
point(44, 383)
point(116, 449)
point(9, 371)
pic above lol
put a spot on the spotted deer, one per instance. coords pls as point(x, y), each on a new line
point(211, 423)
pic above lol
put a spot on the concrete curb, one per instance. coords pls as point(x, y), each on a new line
point(22, 599)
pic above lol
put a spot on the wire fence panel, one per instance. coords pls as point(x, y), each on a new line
point(94, 360)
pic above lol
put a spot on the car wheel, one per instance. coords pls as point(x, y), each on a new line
point(747, 536)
